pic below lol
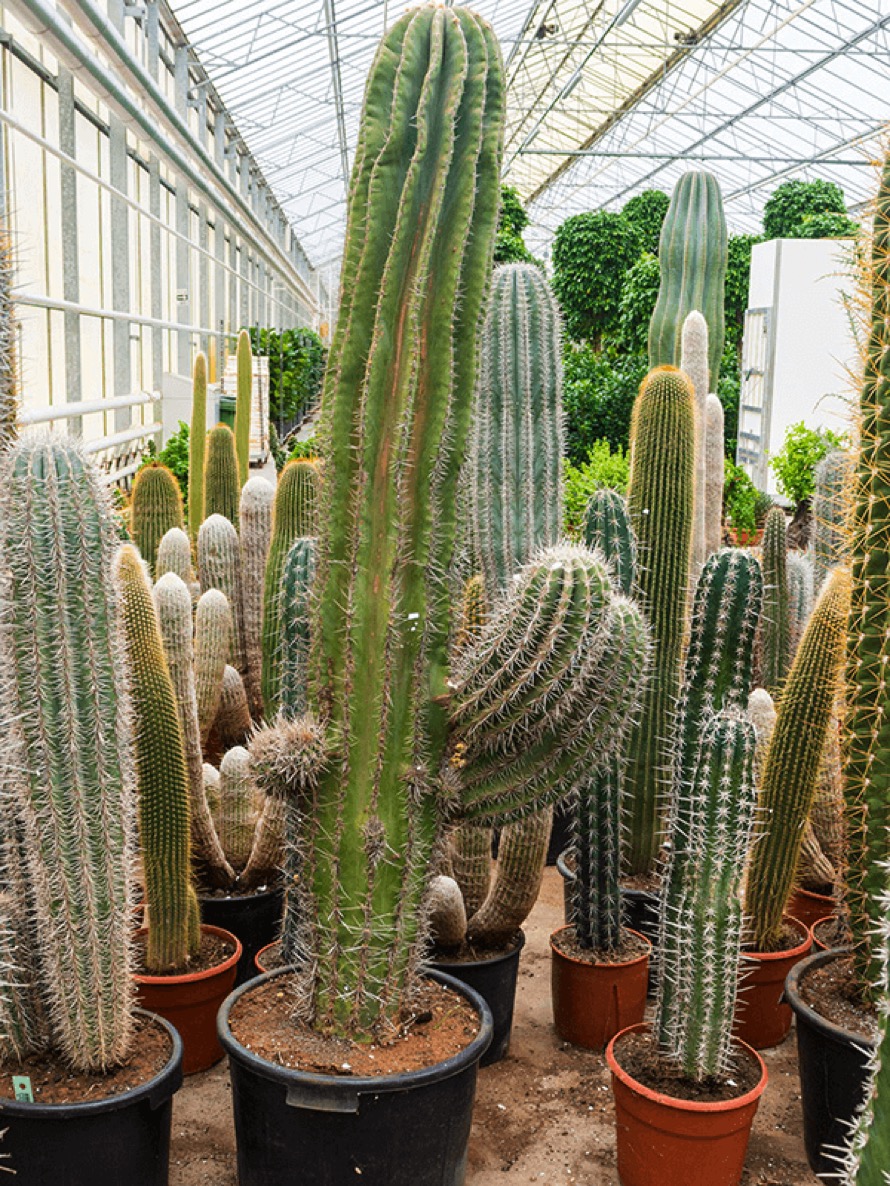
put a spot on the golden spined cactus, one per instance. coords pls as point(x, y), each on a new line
point(243, 402)
point(197, 445)
point(155, 507)
point(222, 488)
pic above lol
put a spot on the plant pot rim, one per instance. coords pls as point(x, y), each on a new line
point(159, 1087)
point(800, 1007)
point(439, 960)
point(194, 977)
point(562, 865)
point(814, 894)
point(765, 957)
point(573, 959)
point(358, 1085)
point(250, 896)
point(681, 1105)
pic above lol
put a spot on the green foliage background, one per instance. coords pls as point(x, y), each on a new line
point(297, 359)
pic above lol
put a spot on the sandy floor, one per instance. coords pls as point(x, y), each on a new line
point(544, 1114)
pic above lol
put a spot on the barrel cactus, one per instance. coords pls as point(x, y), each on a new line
point(222, 488)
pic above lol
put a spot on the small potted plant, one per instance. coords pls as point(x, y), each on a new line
point(93, 1075)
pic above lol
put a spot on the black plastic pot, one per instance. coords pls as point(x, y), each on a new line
point(833, 1066)
point(121, 1140)
point(641, 906)
point(495, 981)
point(560, 832)
point(410, 1129)
point(255, 919)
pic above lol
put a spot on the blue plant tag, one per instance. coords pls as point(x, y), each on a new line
point(21, 1087)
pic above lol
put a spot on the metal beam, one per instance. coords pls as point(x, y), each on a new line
point(334, 54)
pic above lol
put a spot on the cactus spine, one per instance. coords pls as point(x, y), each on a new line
point(243, 405)
point(694, 364)
point(701, 916)
point(515, 460)
point(197, 445)
point(222, 489)
point(831, 498)
point(776, 623)
point(607, 526)
point(296, 588)
point(156, 507)
point(257, 500)
point(174, 930)
point(692, 252)
point(660, 499)
point(714, 474)
point(793, 759)
point(219, 567)
point(66, 774)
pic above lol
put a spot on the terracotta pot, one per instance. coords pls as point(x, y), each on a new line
point(664, 1141)
point(593, 1002)
point(762, 1017)
point(260, 958)
point(819, 944)
point(190, 1002)
point(808, 907)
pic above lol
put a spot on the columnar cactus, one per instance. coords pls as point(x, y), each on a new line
point(793, 758)
point(692, 253)
point(694, 364)
point(522, 856)
point(67, 782)
point(236, 815)
point(219, 567)
point(222, 489)
point(155, 508)
point(515, 462)
point(831, 505)
point(295, 516)
point(9, 400)
point(232, 722)
point(296, 588)
point(607, 527)
point(243, 405)
point(213, 649)
point(257, 500)
point(701, 918)
point(174, 928)
point(775, 627)
point(660, 498)
point(714, 474)
point(197, 445)
point(801, 593)
point(175, 555)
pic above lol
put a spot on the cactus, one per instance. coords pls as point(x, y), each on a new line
point(67, 782)
point(700, 930)
point(173, 603)
point(694, 364)
point(522, 855)
point(470, 853)
point(222, 489)
point(197, 445)
point(155, 508)
point(514, 466)
point(472, 612)
point(236, 815)
point(801, 594)
point(831, 499)
point(296, 588)
point(607, 527)
point(775, 627)
point(174, 929)
point(791, 769)
point(211, 788)
point(219, 567)
point(295, 517)
point(175, 555)
point(257, 499)
point(660, 500)
point(692, 253)
point(243, 405)
point(9, 400)
point(714, 474)
point(213, 649)
point(232, 722)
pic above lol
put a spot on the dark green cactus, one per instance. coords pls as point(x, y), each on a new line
point(67, 783)
point(296, 588)
point(174, 930)
point(243, 405)
point(692, 253)
point(155, 508)
point(607, 527)
point(831, 504)
point(793, 759)
point(775, 625)
point(660, 500)
point(700, 933)
point(514, 469)
point(222, 488)
point(197, 445)
point(9, 397)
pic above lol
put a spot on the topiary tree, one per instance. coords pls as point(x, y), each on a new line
point(509, 247)
point(788, 206)
point(638, 297)
point(591, 254)
point(646, 212)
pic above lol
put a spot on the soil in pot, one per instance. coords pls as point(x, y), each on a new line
point(190, 999)
point(597, 994)
point(830, 990)
point(808, 906)
point(674, 1133)
point(828, 934)
point(763, 1019)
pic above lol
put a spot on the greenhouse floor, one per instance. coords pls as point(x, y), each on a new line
point(544, 1114)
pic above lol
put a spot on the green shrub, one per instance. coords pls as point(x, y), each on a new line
point(297, 359)
point(603, 467)
point(599, 389)
point(638, 297)
point(592, 253)
point(788, 206)
point(830, 225)
point(304, 450)
point(735, 294)
point(509, 246)
point(743, 503)
point(646, 212)
point(795, 463)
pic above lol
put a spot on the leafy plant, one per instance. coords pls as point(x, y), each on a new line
point(603, 469)
point(646, 212)
point(297, 359)
point(745, 506)
point(592, 252)
point(306, 450)
point(638, 297)
point(175, 455)
point(509, 247)
point(789, 205)
point(828, 225)
point(599, 389)
point(795, 463)
point(735, 293)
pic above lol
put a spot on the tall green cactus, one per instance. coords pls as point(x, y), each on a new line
point(514, 468)
point(155, 508)
point(67, 783)
point(867, 722)
point(197, 445)
point(692, 253)
point(775, 626)
point(222, 489)
point(793, 759)
point(243, 405)
point(831, 500)
point(607, 527)
point(660, 499)
point(700, 933)
point(295, 592)
point(174, 928)
point(257, 502)
point(715, 467)
point(9, 398)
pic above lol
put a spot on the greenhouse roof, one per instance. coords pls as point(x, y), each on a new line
point(606, 97)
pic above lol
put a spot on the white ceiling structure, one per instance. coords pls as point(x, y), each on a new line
point(605, 97)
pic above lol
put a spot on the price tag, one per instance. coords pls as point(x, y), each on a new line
point(21, 1087)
